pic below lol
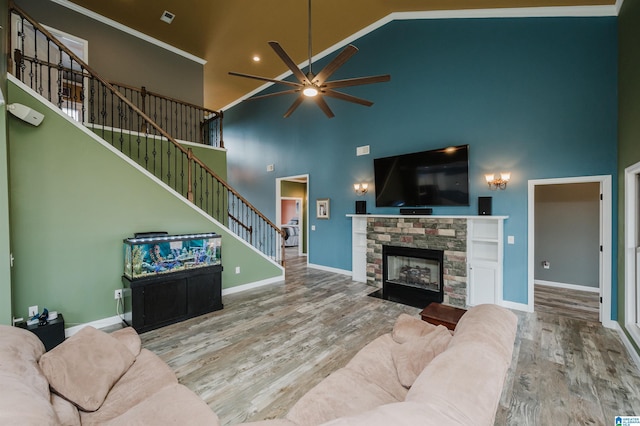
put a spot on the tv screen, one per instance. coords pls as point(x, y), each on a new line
point(430, 178)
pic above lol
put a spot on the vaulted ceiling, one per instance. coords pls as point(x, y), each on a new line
point(227, 34)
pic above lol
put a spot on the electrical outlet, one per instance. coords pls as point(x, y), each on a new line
point(118, 294)
point(237, 269)
point(33, 310)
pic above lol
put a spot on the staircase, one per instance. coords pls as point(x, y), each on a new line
point(143, 125)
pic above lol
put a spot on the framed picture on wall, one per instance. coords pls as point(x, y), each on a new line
point(322, 208)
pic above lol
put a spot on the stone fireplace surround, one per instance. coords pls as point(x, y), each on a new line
point(447, 234)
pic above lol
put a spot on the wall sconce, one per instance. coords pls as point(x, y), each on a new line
point(361, 188)
point(495, 183)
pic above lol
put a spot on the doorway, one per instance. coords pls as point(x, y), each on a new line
point(569, 247)
point(292, 213)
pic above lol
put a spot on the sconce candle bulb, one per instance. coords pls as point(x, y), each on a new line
point(361, 188)
point(497, 183)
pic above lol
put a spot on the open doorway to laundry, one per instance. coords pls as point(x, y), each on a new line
point(570, 247)
point(292, 213)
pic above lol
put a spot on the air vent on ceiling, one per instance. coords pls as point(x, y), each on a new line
point(167, 17)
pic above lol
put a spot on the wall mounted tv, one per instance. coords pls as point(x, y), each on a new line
point(439, 177)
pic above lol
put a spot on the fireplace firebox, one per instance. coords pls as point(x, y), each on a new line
point(412, 276)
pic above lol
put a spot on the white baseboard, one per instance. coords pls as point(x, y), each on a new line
point(330, 269)
point(627, 343)
point(101, 323)
point(256, 284)
point(515, 306)
point(568, 286)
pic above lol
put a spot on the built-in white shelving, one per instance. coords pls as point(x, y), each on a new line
point(485, 251)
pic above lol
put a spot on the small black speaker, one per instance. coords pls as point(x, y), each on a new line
point(484, 206)
point(361, 207)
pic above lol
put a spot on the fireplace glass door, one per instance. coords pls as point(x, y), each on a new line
point(414, 272)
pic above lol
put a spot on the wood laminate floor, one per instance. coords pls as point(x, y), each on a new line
point(566, 302)
point(270, 345)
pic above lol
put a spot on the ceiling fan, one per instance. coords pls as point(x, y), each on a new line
point(316, 86)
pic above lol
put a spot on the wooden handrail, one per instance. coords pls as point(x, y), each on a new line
point(145, 92)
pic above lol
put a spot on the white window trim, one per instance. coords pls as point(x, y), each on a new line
point(632, 293)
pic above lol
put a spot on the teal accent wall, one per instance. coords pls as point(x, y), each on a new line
point(73, 201)
point(5, 247)
point(533, 96)
point(628, 124)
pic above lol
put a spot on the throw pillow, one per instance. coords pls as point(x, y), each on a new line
point(84, 367)
point(408, 327)
point(411, 357)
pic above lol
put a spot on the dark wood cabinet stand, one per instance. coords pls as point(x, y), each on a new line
point(169, 298)
point(51, 334)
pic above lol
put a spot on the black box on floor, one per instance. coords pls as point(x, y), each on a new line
point(51, 334)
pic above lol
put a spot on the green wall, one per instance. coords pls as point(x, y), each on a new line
point(298, 190)
point(5, 250)
point(628, 123)
point(72, 201)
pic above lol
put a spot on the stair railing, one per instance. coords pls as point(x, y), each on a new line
point(56, 73)
point(182, 120)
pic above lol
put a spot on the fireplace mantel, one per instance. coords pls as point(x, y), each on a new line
point(473, 250)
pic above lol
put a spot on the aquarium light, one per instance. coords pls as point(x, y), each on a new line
point(171, 237)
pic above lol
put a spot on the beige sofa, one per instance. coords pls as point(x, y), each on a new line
point(108, 375)
point(417, 375)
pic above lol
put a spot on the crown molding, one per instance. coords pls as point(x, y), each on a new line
point(90, 14)
point(522, 12)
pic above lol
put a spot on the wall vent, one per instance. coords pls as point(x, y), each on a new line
point(167, 17)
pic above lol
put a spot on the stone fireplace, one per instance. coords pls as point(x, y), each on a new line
point(447, 236)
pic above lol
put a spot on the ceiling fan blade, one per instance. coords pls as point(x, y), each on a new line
point(348, 98)
point(357, 81)
point(337, 62)
point(256, 77)
point(324, 107)
point(297, 72)
point(293, 106)
point(269, 95)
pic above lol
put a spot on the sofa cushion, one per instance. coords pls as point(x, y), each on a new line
point(411, 357)
point(402, 414)
point(375, 364)
point(343, 393)
point(147, 374)
point(84, 367)
point(467, 379)
point(172, 405)
point(407, 327)
point(24, 393)
point(130, 338)
point(67, 413)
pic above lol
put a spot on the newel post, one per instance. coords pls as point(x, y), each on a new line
point(190, 175)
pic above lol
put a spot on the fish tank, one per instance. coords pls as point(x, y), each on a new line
point(154, 254)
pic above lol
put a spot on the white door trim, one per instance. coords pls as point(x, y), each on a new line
point(279, 209)
point(606, 238)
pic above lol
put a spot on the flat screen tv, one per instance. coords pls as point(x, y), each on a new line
point(439, 177)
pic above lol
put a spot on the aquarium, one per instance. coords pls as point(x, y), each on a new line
point(156, 254)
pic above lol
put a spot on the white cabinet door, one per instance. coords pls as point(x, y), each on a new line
point(482, 283)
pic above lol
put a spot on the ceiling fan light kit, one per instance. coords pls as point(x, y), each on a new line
point(316, 86)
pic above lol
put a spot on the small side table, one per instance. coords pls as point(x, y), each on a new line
point(51, 334)
point(439, 314)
